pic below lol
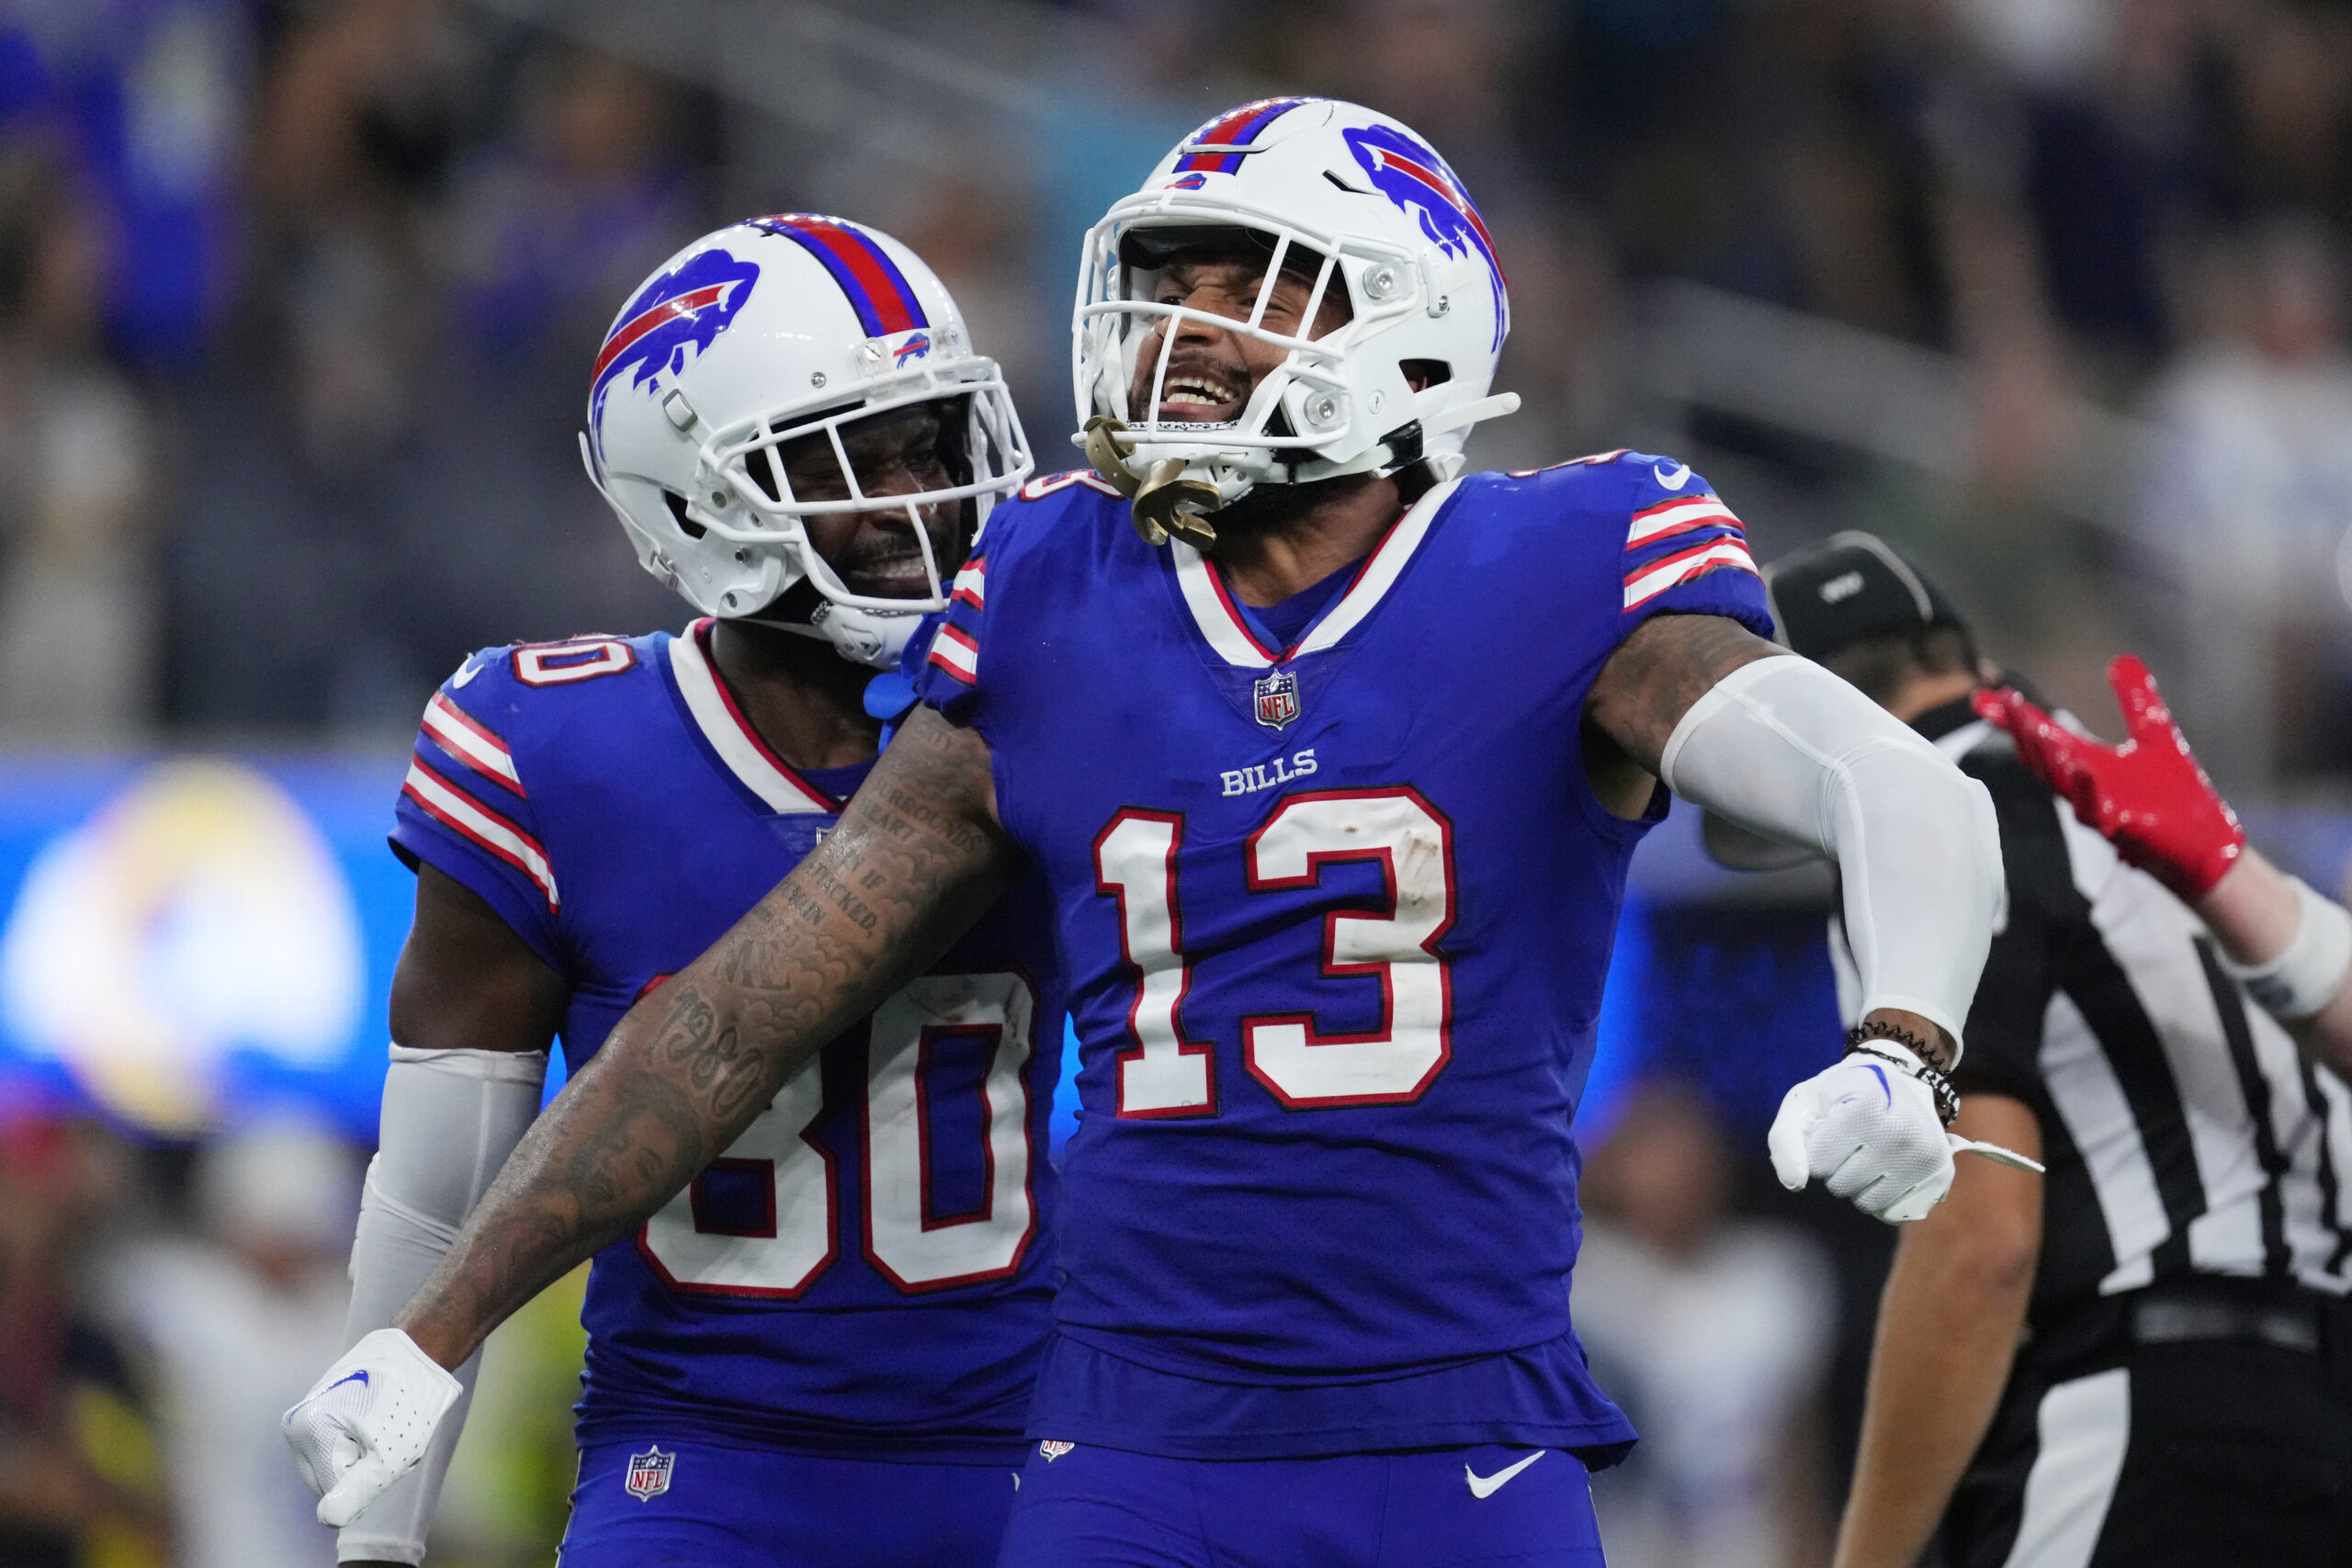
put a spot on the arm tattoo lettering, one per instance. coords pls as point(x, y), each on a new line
point(917, 857)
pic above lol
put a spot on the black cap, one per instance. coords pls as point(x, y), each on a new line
point(1851, 586)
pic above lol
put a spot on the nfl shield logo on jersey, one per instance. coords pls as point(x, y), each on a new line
point(1054, 1448)
point(1277, 699)
point(648, 1474)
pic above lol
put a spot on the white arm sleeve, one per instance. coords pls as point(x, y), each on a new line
point(450, 1120)
point(1783, 748)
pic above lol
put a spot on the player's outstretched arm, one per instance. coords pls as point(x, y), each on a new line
point(1792, 752)
point(1948, 1329)
point(2290, 947)
point(917, 856)
point(1780, 746)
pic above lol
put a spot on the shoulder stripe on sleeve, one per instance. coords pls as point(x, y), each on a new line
point(1679, 516)
point(971, 584)
point(451, 807)
point(1647, 582)
point(459, 733)
point(953, 650)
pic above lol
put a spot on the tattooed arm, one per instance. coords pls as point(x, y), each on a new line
point(917, 858)
point(1667, 663)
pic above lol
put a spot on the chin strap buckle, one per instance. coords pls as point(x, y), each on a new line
point(1163, 501)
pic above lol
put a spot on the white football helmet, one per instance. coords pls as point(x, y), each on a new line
point(767, 331)
point(1355, 200)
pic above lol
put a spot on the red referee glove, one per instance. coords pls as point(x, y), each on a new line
point(2148, 797)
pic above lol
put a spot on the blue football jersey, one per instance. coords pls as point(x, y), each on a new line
point(867, 1269)
point(1335, 917)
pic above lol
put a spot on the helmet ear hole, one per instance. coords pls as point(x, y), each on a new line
point(1422, 374)
point(687, 525)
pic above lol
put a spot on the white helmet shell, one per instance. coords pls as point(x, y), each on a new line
point(1380, 215)
point(764, 332)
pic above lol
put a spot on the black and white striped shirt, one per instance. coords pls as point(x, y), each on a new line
point(2184, 1133)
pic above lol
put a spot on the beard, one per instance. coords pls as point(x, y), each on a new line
point(1270, 506)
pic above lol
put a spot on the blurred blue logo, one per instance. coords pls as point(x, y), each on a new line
point(196, 913)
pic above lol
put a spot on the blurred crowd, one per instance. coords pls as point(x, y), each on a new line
point(298, 300)
point(159, 1306)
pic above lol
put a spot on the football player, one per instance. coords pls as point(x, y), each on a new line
point(820, 1351)
point(1334, 759)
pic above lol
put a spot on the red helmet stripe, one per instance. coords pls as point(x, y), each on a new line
point(646, 320)
point(885, 303)
point(1238, 129)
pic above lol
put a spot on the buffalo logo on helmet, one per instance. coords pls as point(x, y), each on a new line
point(680, 310)
point(894, 350)
point(1411, 174)
point(1274, 699)
point(648, 1474)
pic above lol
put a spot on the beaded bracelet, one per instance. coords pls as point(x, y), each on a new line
point(1877, 1028)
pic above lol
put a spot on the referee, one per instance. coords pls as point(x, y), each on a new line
point(2141, 1357)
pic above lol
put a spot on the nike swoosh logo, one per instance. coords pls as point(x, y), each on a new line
point(1488, 1486)
point(472, 670)
point(1884, 1088)
point(1681, 476)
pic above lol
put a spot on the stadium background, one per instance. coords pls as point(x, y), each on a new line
point(296, 305)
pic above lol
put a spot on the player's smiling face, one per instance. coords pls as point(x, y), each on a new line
point(1211, 372)
point(903, 452)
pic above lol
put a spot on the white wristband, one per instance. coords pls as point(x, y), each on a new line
point(2306, 976)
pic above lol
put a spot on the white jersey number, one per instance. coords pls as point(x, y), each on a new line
point(1134, 862)
point(1164, 1075)
point(907, 1238)
point(777, 1245)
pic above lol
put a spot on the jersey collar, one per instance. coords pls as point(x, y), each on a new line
point(731, 736)
point(1225, 630)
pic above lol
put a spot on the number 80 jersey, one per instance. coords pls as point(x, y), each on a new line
point(865, 1271)
point(1335, 916)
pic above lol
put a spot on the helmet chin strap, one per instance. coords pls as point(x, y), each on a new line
point(872, 638)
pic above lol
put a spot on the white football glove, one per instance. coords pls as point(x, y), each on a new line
point(368, 1419)
point(1867, 1129)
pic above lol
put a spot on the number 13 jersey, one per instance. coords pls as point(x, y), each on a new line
point(865, 1272)
point(1335, 918)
